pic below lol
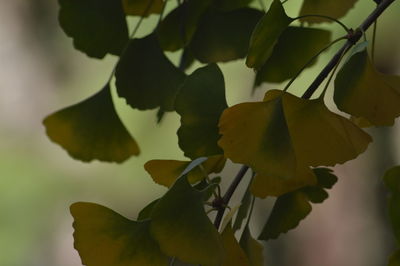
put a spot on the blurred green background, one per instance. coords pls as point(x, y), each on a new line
point(40, 72)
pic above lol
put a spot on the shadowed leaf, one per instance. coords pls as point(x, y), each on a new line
point(332, 8)
point(146, 78)
point(293, 50)
point(103, 238)
point(362, 91)
point(266, 34)
point(182, 229)
point(392, 182)
point(97, 27)
point(92, 130)
point(229, 5)
point(243, 210)
point(200, 103)
point(234, 254)
point(224, 36)
point(142, 8)
point(145, 213)
point(165, 172)
point(394, 259)
point(252, 248)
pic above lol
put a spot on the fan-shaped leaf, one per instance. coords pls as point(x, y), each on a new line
point(252, 248)
point(142, 8)
point(287, 59)
point(97, 27)
point(332, 8)
point(92, 130)
point(165, 172)
point(182, 229)
point(266, 34)
point(362, 91)
point(146, 78)
point(103, 238)
point(178, 27)
point(224, 36)
point(234, 254)
point(200, 103)
point(145, 213)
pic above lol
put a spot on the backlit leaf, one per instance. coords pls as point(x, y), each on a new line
point(142, 8)
point(362, 91)
point(97, 27)
point(287, 59)
point(290, 208)
point(392, 182)
point(177, 28)
point(252, 248)
point(200, 103)
point(266, 34)
point(92, 130)
point(146, 78)
point(103, 238)
point(165, 172)
point(234, 254)
point(333, 8)
point(224, 36)
point(182, 228)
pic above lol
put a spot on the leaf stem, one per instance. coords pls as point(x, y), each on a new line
point(326, 17)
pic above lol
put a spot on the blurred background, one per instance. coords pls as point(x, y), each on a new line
point(40, 73)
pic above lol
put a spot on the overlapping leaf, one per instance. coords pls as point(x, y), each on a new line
point(200, 103)
point(266, 34)
point(252, 248)
point(183, 230)
point(234, 254)
point(287, 59)
point(332, 8)
point(178, 27)
point(224, 36)
point(142, 8)
point(362, 91)
point(97, 27)
point(291, 208)
point(165, 172)
point(103, 238)
point(146, 78)
point(92, 130)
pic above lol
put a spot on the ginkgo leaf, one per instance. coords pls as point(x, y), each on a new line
point(182, 228)
point(290, 208)
point(362, 91)
point(92, 130)
point(319, 136)
point(145, 213)
point(165, 172)
point(177, 28)
point(332, 8)
point(142, 8)
point(394, 259)
point(287, 59)
point(97, 27)
point(266, 34)
point(200, 103)
point(224, 36)
point(234, 254)
point(252, 248)
point(392, 182)
point(243, 210)
point(146, 78)
point(103, 238)
point(229, 5)
point(256, 134)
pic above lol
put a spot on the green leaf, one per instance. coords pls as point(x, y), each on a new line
point(224, 36)
point(145, 213)
point(165, 172)
point(92, 130)
point(392, 182)
point(333, 8)
point(243, 209)
point(200, 103)
point(182, 228)
point(290, 208)
point(293, 50)
point(229, 5)
point(103, 238)
point(97, 27)
point(142, 8)
point(177, 28)
point(362, 91)
point(234, 254)
point(146, 78)
point(394, 259)
point(266, 34)
point(252, 248)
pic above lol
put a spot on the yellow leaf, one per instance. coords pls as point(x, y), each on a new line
point(234, 254)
